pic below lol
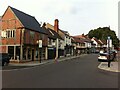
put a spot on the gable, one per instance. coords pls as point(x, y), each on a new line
point(94, 41)
point(9, 20)
point(28, 21)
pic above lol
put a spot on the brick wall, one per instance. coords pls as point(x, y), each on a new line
point(10, 21)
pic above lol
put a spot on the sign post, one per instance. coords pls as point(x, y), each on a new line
point(108, 42)
point(40, 46)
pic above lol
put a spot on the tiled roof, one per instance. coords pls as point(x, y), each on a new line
point(104, 42)
point(77, 40)
point(28, 21)
point(97, 40)
point(52, 34)
point(65, 32)
point(84, 38)
point(52, 27)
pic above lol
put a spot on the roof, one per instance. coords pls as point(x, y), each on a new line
point(104, 42)
point(65, 32)
point(52, 34)
point(84, 38)
point(99, 42)
point(77, 40)
point(28, 21)
point(52, 28)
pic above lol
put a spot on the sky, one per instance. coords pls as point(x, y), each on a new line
point(75, 16)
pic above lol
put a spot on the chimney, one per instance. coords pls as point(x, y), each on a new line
point(44, 25)
point(83, 35)
point(56, 25)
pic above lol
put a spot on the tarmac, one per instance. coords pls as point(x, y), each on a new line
point(114, 66)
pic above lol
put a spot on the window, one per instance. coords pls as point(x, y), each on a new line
point(13, 33)
point(3, 34)
point(6, 34)
point(10, 33)
point(53, 40)
point(40, 37)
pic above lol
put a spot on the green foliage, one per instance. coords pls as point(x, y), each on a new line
point(103, 33)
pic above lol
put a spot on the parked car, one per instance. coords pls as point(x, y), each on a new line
point(114, 51)
point(104, 57)
point(97, 51)
point(101, 51)
point(4, 59)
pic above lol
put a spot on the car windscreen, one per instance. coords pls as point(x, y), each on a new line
point(103, 54)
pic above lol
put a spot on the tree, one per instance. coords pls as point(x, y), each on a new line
point(103, 33)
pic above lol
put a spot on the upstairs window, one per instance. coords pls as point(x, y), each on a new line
point(10, 33)
point(3, 34)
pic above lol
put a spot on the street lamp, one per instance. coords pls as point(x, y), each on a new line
point(108, 51)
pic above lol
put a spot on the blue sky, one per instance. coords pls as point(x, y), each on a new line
point(75, 16)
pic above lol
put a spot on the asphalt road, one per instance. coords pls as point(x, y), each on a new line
point(76, 73)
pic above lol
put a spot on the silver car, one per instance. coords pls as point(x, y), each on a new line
point(104, 57)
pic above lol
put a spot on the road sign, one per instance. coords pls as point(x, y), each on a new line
point(40, 43)
point(109, 42)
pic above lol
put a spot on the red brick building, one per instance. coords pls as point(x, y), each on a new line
point(20, 35)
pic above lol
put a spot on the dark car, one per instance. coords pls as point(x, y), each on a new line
point(4, 59)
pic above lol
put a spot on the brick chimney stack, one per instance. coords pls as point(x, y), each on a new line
point(56, 25)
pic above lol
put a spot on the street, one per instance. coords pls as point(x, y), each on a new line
point(81, 72)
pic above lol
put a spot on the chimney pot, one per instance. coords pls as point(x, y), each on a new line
point(56, 25)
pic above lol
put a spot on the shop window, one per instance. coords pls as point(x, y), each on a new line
point(36, 54)
point(24, 53)
point(11, 51)
point(29, 53)
point(17, 52)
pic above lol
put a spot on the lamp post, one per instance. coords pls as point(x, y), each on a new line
point(57, 45)
point(108, 51)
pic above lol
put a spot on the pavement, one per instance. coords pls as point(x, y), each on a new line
point(35, 63)
point(114, 66)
